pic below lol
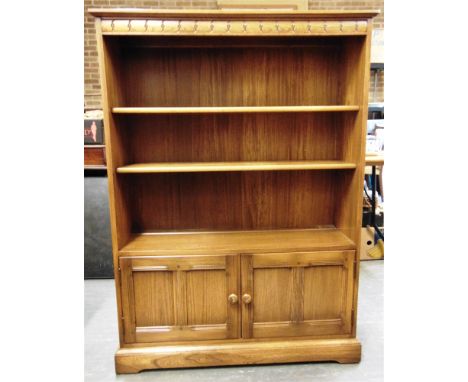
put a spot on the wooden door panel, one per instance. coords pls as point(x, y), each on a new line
point(154, 296)
point(178, 298)
point(206, 297)
point(297, 294)
point(273, 292)
point(323, 292)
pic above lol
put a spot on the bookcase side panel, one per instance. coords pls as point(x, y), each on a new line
point(115, 157)
point(348, 214)
point(115, 141)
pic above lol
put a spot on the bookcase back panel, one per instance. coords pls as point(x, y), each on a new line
point(236, 200)
point(242, 76)
point(234, 137)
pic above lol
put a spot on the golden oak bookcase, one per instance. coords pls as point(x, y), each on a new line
point(235, 147)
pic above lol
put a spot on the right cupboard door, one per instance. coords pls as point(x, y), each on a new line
point(297, 294)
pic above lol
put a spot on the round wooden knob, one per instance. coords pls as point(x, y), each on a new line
point(232, 298)
point(247, 298)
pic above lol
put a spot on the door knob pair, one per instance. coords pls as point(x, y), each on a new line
point(246, 298)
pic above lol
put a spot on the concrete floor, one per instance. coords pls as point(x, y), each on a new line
point(101, 341)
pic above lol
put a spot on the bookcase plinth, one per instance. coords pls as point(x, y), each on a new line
point(134, 360)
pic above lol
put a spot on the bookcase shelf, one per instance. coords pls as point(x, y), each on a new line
point(235, 109)
point(195, 243)
point(236, 231)
point(142, 168)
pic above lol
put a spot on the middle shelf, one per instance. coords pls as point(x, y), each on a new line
point(163, 167)
point(234, 109)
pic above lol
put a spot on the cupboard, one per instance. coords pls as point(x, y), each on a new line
point(235, 147)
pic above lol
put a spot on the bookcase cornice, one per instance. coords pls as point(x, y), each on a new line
point(221, 23)
point(134, 13)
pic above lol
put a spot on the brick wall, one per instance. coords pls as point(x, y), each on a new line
point(92, 87)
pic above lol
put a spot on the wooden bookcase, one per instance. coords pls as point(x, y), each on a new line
point(235, 148)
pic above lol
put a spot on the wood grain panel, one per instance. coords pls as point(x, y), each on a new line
point(206, 297)
point(231, 77)
point(185, 201)
point(180, 297)
point(232, 137)
point(272, 294)
point(287, 200)
point(323, 292)
point(223, 201)
point(297, 299)
point(154, 298)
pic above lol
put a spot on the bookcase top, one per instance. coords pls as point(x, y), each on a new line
point(230, 14)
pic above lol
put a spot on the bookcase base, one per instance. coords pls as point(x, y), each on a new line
point(134, 360)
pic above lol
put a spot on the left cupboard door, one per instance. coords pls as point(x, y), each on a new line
point(178, 298)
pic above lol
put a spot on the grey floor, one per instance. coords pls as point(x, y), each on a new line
point(101, 341)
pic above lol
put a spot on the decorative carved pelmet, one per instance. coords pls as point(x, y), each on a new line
point(234, 28)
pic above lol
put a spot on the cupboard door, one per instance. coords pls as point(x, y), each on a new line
point(178, 298)
point(297, 294)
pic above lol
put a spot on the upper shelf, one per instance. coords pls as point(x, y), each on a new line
point(234, 109)
point(164, 167)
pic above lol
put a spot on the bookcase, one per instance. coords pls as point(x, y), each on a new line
point(235, 148)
